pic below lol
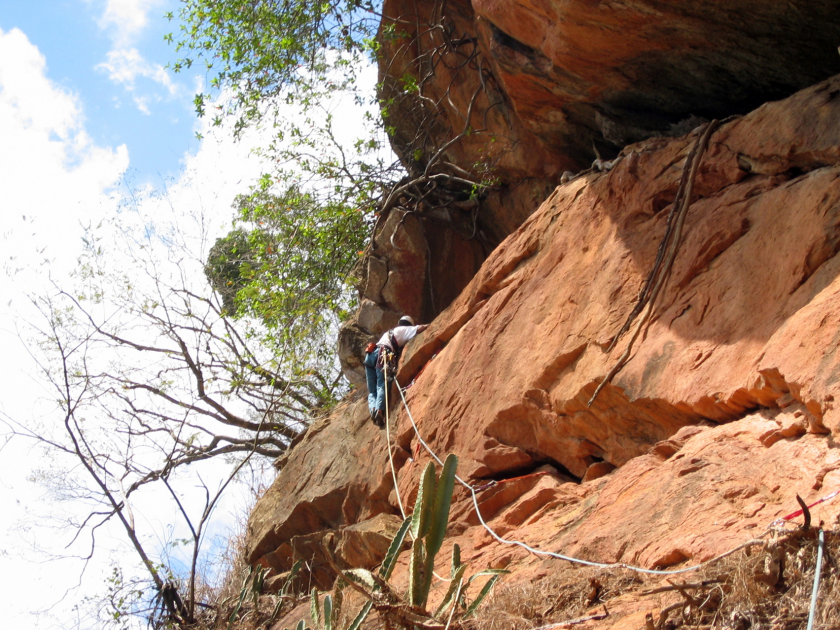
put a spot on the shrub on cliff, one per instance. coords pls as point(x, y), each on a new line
point(287, 263)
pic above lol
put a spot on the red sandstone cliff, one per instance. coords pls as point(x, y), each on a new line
point(726, 409)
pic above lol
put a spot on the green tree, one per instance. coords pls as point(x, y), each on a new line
point(288, 263)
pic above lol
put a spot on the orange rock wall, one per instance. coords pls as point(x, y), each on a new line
point(707, 434)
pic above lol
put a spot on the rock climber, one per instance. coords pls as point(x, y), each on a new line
point(388, 349)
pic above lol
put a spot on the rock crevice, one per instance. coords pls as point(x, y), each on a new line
point(718, 420)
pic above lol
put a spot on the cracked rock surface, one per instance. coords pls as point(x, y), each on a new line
point(725, 411)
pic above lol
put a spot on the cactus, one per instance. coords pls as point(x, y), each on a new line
point(427, 526)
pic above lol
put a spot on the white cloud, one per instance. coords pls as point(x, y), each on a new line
point(52, 177)
point(47, 157)
point(53, 173)
point(124, 66)
point(126, 19)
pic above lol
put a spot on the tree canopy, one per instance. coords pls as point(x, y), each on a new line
point(288, 263)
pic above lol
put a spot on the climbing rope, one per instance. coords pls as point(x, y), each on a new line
point(816, 589)
point(388, 438)
point(391, 455)
point(603, 565)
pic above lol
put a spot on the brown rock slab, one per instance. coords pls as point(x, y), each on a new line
point(713, 425)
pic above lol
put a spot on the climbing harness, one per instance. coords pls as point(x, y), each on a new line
point(539, 552)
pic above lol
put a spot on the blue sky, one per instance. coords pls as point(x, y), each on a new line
point(112, 55)
point(86, 105)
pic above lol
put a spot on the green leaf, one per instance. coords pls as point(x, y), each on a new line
point(488, 572)
point(480, 598)
point(454, 588)
point(292, 574)
point(360, 618)
point(243, 591)
point(393, 553)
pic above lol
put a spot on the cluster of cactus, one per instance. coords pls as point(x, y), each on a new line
point(252, 585)
point(427, 527)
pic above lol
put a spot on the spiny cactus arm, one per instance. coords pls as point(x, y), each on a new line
point(418, 586)
point(338, 600)
point(328, 613)
point(361, 577)
point(390, 561)
point(456, 560)
point(440, 509)
point(454, 585)
point(420, 518)
point(440, 520)
point(314, 608)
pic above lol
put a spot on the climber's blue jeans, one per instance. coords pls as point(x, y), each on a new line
point(375, 382)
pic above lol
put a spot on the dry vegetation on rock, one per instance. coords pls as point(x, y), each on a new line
point(760, 587)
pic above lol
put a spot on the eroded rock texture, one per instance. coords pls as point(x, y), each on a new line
point(515, 94)
point(719, 419)
point(549, 79)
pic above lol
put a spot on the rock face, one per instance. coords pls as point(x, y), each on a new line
point(725, 411)
point(514, 94)
point(540, 84)
point(400, 276)
point(529, 332)
point(630, 69)
point(567, 73)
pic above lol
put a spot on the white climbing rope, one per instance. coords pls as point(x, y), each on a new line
point(815, 590)
point(388, 438)
point(391, 455)
point(559, 556)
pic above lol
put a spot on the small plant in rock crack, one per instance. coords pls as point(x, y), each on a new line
point(427, 527)
point(252, 585)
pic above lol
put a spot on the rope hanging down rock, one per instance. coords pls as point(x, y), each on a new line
point(759, 540)
point(647, 298)
point(664, 256)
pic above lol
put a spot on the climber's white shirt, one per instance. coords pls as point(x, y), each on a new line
point(402, 335)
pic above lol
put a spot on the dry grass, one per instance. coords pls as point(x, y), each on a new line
point(749, 599)
point(566, 594)
point(740, 592)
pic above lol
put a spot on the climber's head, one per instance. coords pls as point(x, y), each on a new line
point(405, 320)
